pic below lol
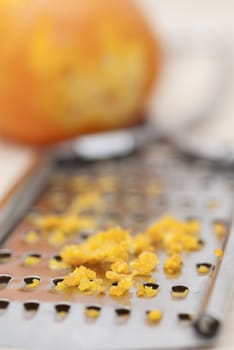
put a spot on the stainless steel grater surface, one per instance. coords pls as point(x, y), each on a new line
point(150, 183)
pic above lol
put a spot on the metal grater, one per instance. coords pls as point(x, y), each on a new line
point(187, 188)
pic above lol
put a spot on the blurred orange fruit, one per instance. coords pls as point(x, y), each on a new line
point(72, 67)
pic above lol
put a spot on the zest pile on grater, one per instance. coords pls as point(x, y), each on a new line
point(151, 183)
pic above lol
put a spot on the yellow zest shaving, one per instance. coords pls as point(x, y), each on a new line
point(80, 183)
point(116, 277)
point(35, 283)
point(173, 265)
point(114, 252)
point(175, 236)
point(92, 313)
point(219, 252)
point(62, 314)
point(203, 269)
point(82, 279)
point(56, 238)
point(220, 229)
point(49, 222)
point(150, 292)
point(120, 267)
point(55, 265)
point(31, 261)
point(104, 247)
point(152, 280)
point(141, 243)
point(31, 237)
point(145, 291)
point(67, 224)
point(180, 294)
point(108, 183)
point(154, 316)
point(123, 286)
point(144, 264)
point(87, 200)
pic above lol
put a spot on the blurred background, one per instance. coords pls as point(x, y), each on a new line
point(209, 22)
point(196, 78)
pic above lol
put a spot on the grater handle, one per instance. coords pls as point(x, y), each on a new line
point(23, 196)
point(213, 310)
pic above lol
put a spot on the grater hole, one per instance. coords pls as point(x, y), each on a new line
point(31, 306)
point(56, 263)
point(92, 311)
point(57, 280)
point(122, 312)
point(57, 257)
point(84, 235)
point(201, 242)
point(35, 255)
point(113, 215)
point(139, 217)
point(32, 259)
point(208, 265)
point(62, 310)
point(31, 282)
point(179, 291)
point(93, 307)
point(185, 317)
point(5, 280)
point(151, 285)
point(4, 303)
point(203, 268)
point(179, 288)
point(5, 255)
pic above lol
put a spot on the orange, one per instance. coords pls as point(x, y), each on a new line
point(73, 67)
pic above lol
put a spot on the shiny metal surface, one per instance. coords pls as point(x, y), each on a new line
point(189, 188)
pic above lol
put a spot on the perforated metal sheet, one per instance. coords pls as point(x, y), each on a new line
point(151, 183)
